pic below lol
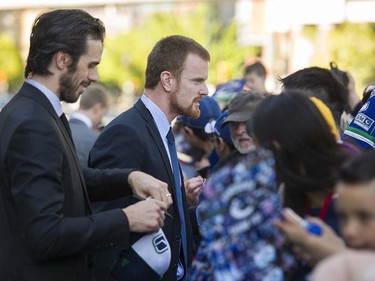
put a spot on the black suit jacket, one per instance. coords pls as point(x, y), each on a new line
point(132, 140)
point(46, 225)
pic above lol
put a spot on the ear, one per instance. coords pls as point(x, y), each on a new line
point(96, 107)
point(221, 144)
point(188, 130)
point(166, 80)
point(62, 60)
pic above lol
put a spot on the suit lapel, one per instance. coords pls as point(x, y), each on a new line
point(35, 94)
point(154, 132)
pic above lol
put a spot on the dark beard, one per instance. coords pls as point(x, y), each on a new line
point(67, 89)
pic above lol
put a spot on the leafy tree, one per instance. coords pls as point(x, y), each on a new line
point(11, 68)
point(352, 46)
point(125, 55)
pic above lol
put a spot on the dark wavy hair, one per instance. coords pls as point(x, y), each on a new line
point(306, 152)
point(60, 30)
point(320, 83)
point(169, 54)
point(358, 169)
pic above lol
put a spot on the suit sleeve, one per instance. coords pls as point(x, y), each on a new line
point(39, 180)
point(107, 184)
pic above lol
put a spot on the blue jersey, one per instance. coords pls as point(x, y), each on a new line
point(362, 127)
point(239, 242)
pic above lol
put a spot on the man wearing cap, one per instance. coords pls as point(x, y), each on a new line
point(240, 110)
point(200, 145)
point(222, 139)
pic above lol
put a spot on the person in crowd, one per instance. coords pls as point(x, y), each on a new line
point(355, 192)
point(240, 110)
point(346, 266)
point(225, 92)
point(222, 140)
point(361, 129)
point(307, 184)
point(238, 206)
point(320, 83)
point(84, 123)
point(141, 138)
point(48, 231)
point(255, 76)
point(200, 145)
point(306, 152)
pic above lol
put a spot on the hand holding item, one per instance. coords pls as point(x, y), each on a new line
point(309, 246)
point(312, 228)
point(146, 216)
point(193, 189)
point(145, 185)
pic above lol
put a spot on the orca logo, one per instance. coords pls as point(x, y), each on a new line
point(238, 209)
point(160, 244)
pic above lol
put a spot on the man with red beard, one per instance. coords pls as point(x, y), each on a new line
point(176, 74)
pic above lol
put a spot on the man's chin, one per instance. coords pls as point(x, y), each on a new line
point(246, 149)
point(70, 99)
point(195, 114)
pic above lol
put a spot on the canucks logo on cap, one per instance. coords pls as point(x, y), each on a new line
point(160, 244)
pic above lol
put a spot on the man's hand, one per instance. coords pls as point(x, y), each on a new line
point(145, 186)
point(193, 189)
point(146, 216)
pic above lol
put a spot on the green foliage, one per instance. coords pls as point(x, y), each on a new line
point(11, 68)
point(125, 55)
point(352, 47)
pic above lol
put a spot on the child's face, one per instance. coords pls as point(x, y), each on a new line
point(355, 208)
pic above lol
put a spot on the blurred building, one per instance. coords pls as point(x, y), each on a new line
point(273, 25)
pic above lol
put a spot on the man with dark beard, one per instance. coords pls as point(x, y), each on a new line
point(47, 229)
point(141, 138)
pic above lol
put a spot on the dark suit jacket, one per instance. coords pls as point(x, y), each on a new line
point(84, 139)
point(46, 225)
point(132, 140)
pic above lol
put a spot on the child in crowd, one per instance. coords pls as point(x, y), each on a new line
point(355, 191)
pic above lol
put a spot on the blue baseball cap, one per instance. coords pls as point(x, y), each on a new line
point(226, 91)
point(218, 130)
point(210, 111)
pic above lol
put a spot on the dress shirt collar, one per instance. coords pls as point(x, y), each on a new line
point(160, 119)
point(82, 117)
point(53, 99)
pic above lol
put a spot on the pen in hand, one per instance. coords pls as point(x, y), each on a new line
point(142, 198)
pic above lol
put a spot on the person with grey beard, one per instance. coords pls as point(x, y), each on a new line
point(240, 110)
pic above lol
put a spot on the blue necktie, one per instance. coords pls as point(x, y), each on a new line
point(177, 180)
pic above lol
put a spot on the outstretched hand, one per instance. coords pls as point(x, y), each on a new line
point(310, 247)
point(193, 189)
point(146, 186)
